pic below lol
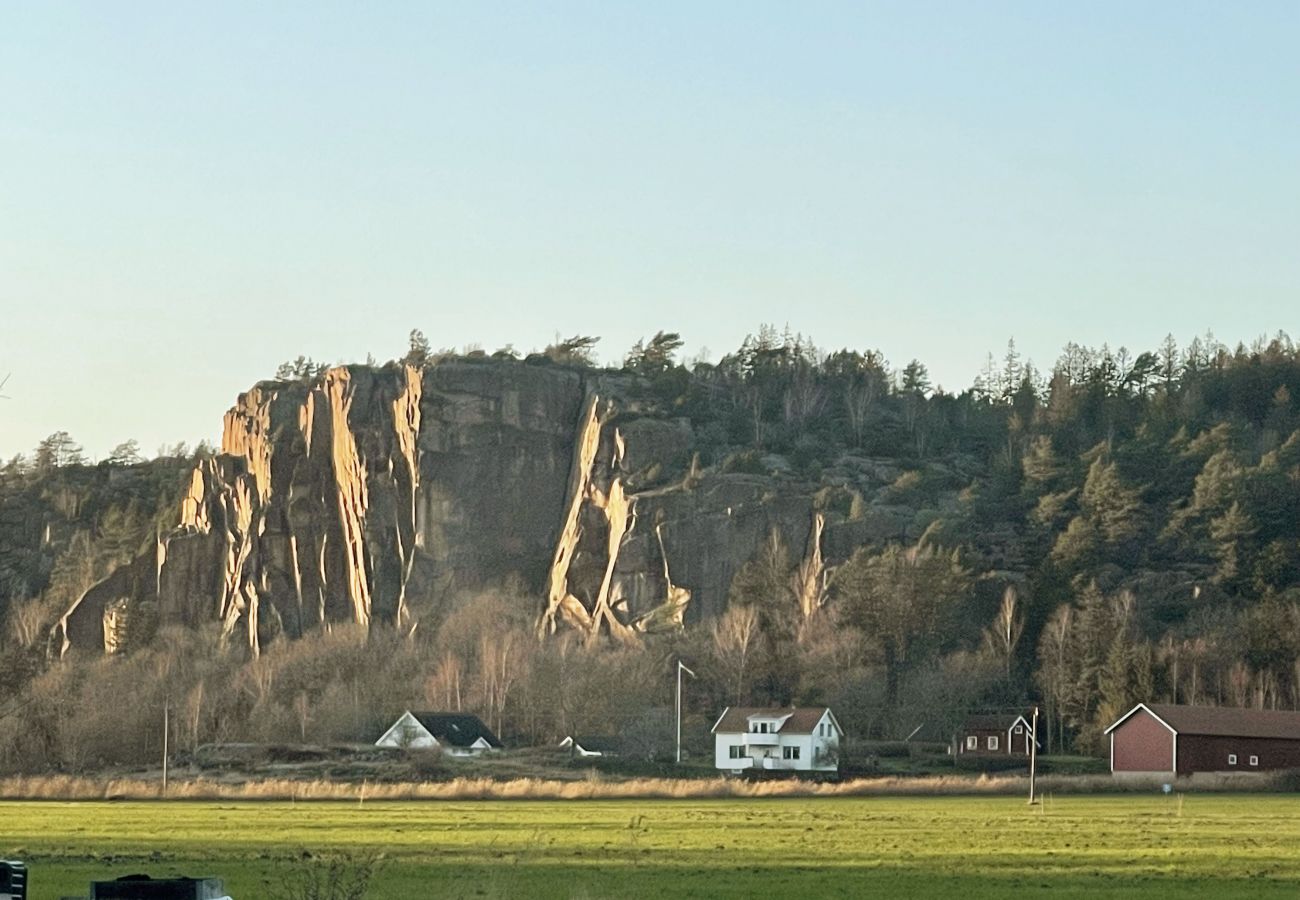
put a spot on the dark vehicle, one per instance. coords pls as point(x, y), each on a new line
point(142, 887)
point(13, 881)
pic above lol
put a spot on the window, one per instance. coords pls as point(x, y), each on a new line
point(993, 742)
point(1232, 759)
point(790, 752)
point(737, 752)
point(762, 727)
point(972, 742)
point(1020, 729)
point(1254, 760)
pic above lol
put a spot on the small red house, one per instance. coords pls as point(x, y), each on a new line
point(1000, 735)
point(1158, 739)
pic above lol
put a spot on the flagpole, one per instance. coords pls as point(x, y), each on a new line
point(680, 668)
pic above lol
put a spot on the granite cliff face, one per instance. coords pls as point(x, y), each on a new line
point(346, 498)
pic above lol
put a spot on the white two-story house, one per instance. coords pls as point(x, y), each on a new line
point(795, 739)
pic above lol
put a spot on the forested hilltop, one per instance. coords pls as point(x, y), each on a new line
point(536, 539)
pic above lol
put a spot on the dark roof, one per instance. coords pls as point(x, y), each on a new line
point(1228, 721)
point(998, 722)
point(803, 719)
point(457, 729)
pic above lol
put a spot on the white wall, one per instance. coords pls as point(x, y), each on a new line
point(722, 752)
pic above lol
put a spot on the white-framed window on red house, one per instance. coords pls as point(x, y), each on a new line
point(1254, 760)
point(972, 742)
point(1232, 759)
point(993, 742)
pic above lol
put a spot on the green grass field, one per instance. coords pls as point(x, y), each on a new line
point(1073, 846)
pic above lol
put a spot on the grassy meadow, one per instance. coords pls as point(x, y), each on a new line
point(1073, 846)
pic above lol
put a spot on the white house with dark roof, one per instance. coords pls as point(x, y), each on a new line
point(789, 739)
point(455, 734)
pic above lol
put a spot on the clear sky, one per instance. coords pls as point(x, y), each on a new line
point(191, 193)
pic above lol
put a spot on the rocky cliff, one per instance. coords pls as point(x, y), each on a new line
point(347, 497)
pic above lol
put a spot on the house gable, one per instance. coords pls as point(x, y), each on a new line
point(1142, 742)
point(407, 731)
point(1141, 707)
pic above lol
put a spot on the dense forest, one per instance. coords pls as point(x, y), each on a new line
point(1121, 528)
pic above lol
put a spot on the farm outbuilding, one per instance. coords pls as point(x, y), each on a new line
point(1157, 739)
point(591, 745)
point(996, 735)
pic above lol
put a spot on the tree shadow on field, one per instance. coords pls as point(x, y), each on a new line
point(511, 880)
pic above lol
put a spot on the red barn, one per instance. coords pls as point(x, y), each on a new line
point(1159, 739)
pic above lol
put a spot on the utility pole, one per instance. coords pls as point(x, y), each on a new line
point(1033, 755)
point(166, 731)
point(680, 669)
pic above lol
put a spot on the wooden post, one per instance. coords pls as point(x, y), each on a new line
point(166, 730)
point(1033, 755)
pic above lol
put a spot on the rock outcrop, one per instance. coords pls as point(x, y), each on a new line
point(348, 498)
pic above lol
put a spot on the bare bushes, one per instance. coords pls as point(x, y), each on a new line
point(334, 877)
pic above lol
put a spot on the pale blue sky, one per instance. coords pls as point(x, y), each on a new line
point(192, 193)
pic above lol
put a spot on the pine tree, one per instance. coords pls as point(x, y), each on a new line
point(1231, 533)
point(1115, 509)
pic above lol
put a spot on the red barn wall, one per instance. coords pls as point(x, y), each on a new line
point(1209, 753)
point(1142, 744)
point(1019, 745)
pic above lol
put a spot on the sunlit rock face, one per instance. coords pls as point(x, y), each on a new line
point(359, 495)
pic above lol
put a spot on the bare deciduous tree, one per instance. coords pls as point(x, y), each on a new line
point(499, 657)
point(859, 397)
point(302, 713)
point(735, 640)
point(28, 620)
point(1054, 675)
point(442, 688)
point(1001, 638)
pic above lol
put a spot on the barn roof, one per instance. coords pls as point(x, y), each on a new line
point(1223, 721)
point(457, 729)
point(798, 719)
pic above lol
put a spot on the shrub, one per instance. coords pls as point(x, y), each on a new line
point(426, 765)
point(335, 877)
point(748, 462)
point(976, 763)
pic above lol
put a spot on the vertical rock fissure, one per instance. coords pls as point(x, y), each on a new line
point(350, 488)
point(617, 507)
point(560, 603)
point(406, 424)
